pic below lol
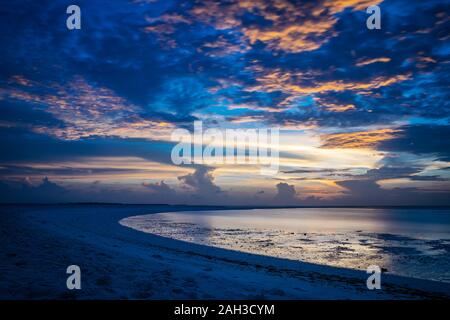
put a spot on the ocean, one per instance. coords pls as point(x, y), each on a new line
point(413, 242)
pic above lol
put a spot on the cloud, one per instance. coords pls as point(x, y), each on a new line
point(24, 191)
point(26, 147)
point(173, 18)
point(308, 36)
point(364, 62)
point(285, 83)
point(333, 107)
point(387, 172)
point(160, 188)
point(358, 140)
point(320, 170)
point(417, 173)
point(286, 194)
point(60, 169)
point(222, 47)
point(420, 139)
point(88, 110)
point(368, 192)
point(293, 27)
point(196, 187)
point(201, 181)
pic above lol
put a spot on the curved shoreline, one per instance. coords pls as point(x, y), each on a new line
point(266, 232)
point(119, 260)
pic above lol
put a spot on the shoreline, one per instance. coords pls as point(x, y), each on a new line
point(118, 262)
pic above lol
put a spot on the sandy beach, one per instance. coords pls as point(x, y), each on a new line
point(39, 242)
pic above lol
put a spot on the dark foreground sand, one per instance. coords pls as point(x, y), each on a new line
point(39, 242)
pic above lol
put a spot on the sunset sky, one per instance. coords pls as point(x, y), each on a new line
point(87, 115)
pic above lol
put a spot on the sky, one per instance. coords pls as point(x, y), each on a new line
point(87, 115)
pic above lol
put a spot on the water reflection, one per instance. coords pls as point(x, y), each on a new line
point(410, 242)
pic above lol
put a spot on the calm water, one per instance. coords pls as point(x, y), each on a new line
point(410, 242)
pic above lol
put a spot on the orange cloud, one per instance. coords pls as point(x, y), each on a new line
point(358, 140)
point(295, 27)
point(287, 83)
point(87, 110)
point(361, 63)
point(336, 6)
point(307, 36)
point(334, 107)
